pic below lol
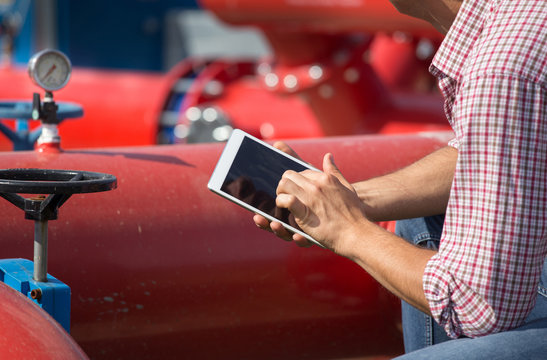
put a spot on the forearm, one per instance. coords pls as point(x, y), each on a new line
point(393, 262)
point(327, 208)
point(421, 189)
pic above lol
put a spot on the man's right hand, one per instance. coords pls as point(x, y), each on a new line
point(276, 227)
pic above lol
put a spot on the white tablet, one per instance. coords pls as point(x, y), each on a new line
point(248, 172)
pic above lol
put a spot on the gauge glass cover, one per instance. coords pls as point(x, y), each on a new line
point(50, 69)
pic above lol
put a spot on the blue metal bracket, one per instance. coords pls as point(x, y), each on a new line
point(52, 295)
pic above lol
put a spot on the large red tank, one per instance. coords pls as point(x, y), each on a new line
point(120, 108)
point(163, 268)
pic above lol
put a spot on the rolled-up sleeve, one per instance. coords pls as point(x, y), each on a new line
point(484, 277)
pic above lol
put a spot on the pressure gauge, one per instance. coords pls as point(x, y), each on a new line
point(50, 69)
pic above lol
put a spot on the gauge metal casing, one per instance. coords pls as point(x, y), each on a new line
point(50, 69)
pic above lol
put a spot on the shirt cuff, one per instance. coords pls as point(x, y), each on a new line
point(454, 305)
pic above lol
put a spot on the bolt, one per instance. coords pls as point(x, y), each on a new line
point(315, 72)
point(210, 114)
point(271, 80)
point(36, 294)
point(193, 113)
point(290, 81)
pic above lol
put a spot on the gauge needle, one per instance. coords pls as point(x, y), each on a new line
point(51, 69)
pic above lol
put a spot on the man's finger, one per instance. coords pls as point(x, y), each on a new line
point(261, 222)
point(279, 230)
point(292, 203)
point(329, 167)
point(301, 241)
point(280, 145)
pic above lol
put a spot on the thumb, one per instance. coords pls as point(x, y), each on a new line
point(329, 167)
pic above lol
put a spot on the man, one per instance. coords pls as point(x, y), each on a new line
point(481, 286)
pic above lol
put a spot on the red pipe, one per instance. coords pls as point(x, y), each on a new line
point(323, 55)
point(30, 333)
point(317, 16)
point(121, 108)
point(163, 268)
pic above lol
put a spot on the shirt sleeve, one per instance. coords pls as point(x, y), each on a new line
point(454, 143)
point(484, 277)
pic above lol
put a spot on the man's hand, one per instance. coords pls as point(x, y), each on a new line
point(276, 227)
point(324, 204)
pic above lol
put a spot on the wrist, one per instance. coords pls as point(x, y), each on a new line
point(381, 197)
point(353, 238)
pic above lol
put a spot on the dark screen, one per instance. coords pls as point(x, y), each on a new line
point(254, 176)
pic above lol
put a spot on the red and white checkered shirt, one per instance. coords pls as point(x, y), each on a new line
point(492, 70)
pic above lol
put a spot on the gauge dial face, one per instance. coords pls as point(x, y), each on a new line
point(50, 69)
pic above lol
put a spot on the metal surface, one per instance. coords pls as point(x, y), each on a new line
point(109, 119)
point(327, 72)
point(327, 106)
point(52, 295)
point(59, 184)
point(23, 110)
point(40, 251)
point(30, 333)
point(317, 16)
point(353, 95)
point(162, 267)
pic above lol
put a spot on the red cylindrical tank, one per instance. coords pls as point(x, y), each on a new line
point(163, 268)
point(30, 333)
point(121, 108)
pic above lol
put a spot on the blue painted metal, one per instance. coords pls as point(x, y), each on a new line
point(130, 35)
point(55, 295)
point(23, 110)
point(22, 13)
point(22, 138)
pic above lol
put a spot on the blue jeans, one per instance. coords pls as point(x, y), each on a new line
point(420, 331)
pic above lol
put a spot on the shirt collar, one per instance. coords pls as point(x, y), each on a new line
point(461, 37)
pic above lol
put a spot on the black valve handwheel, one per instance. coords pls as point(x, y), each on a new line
point(46, 181)
point(59, 184)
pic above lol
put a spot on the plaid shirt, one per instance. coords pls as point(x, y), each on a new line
point(492, 69)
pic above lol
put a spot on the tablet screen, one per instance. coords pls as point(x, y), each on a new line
point(254, 175)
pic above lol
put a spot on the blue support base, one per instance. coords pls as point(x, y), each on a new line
point(53, 296)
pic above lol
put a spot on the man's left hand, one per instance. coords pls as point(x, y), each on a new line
point(325, 205)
